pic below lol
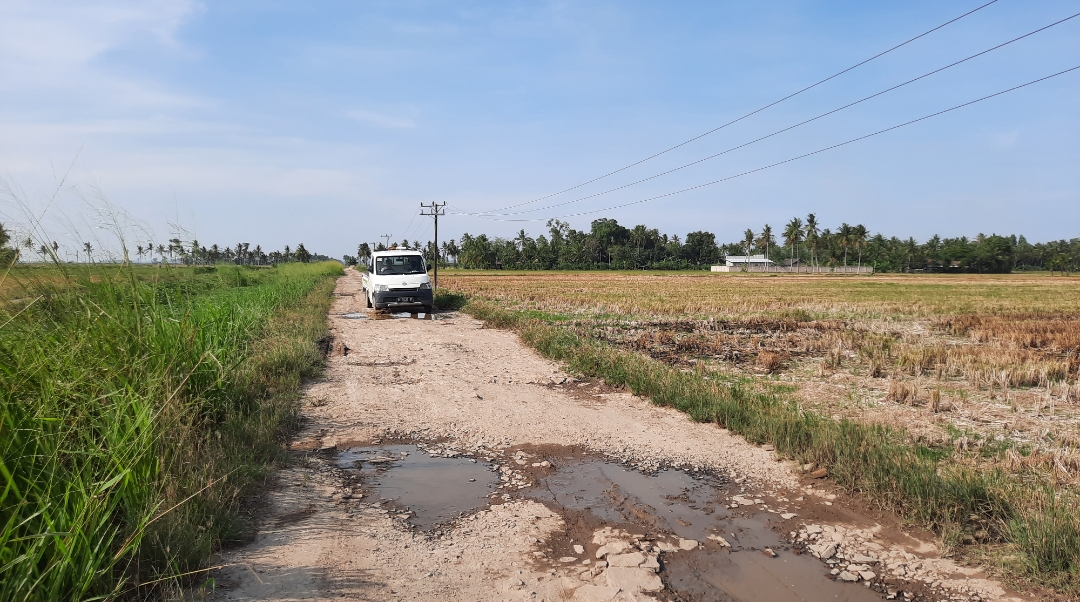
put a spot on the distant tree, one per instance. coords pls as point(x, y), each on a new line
point(845, 236)
point(858, 235)
point(363, 252)
point(793, 234)
point(813, 237)
point(302, 254)
point(766, 239)
point(89, 249)
point(748, 240)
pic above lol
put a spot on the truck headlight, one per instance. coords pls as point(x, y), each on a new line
point(425, 286)
point(381, 288)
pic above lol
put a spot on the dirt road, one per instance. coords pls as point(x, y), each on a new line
point(442, 460)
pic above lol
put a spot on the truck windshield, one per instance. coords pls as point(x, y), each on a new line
point(399, 264)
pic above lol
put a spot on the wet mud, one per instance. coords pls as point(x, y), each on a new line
point(730, 564)
point(432, 490)
point(741, 555)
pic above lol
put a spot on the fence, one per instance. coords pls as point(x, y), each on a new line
point(799, 269)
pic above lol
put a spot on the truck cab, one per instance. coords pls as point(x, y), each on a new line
point(398, 278)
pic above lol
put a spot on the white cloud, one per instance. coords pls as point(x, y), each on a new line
point(56, 47)
point(380, 119)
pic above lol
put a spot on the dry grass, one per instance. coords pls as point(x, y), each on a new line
point(992, 359)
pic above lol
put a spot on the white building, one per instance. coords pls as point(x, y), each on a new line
point(738, 263)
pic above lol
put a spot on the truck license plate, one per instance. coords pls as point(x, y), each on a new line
point(405, 299)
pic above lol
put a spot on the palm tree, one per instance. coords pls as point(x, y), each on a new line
point(88, 249)
point(813, 235)
point(748, 238)
point(161, 252)
point(846, 235)
point(860, 234)
point(793, 235)
point(363, 251)
point(766, 240)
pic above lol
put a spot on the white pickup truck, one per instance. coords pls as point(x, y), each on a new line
point(397, 277)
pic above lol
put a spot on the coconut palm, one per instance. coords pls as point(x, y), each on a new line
point(793, 233)
point(813, 236)
point(845, 236)
point(748, 238)
point(859, 235)
point(766, 240)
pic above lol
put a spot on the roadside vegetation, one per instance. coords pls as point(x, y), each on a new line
point(139, 407)
point(951, 400)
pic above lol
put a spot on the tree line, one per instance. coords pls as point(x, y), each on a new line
point(176, 251)
point(803, 242)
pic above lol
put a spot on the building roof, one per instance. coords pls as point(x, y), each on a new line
point(731, 259)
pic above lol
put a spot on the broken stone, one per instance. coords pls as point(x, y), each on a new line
point(720, 540)
point(820, 473)
point(688, 544)
point(867, 575)
point(863, 559)
point(633, 579)
point(595, 593)
point(824, 551)
point(578, 549)
point(849, 577)
point(630, 559)
point(614, 547)
point(651, 562)
point(568, 559)
point(767, 447)
point(788, 515)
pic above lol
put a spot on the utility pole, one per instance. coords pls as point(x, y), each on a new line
point(387, 237)
point(435, 211)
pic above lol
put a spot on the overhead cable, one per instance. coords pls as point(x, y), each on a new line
point(754, 112)
point(803, 156)
point(767, 136)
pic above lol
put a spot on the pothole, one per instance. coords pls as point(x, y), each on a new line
point(434, 490)
point(672, 507)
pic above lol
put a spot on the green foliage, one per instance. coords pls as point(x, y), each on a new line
point(135, 414)
point(608, 245)
point(448, 300)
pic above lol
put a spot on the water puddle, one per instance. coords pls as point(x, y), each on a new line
point(676, 503)
point(436, 490)
point(386, 315)
point(354, 316)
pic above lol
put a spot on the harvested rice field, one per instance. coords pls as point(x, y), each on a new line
point(979, 371)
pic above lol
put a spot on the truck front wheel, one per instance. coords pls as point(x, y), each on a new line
point(367, 297)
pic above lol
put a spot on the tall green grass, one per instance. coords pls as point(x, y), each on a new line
point(1036, 520)
point(136, 412)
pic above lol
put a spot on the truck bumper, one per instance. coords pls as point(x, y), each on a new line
point(420, 297)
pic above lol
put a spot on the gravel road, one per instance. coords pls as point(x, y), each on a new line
point(460, 389)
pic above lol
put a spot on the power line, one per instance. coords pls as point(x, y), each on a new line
point(801, 123)
point(772, 104)
point(803, 156)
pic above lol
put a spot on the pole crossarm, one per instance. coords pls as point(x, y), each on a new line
point(434, 209)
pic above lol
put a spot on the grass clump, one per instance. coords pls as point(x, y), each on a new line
point(137, 411)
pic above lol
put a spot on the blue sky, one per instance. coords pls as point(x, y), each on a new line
point(329, 122)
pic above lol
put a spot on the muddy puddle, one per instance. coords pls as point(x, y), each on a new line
point(674, 503)
point(435, 490)
point(730, 562)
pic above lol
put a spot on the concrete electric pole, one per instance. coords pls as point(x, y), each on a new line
point(435, 210)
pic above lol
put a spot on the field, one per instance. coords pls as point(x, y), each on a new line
point(139, 407)
point(953, 400)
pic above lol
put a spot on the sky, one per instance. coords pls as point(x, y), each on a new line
point(328, 123)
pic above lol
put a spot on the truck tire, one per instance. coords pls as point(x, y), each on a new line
point(367, 298)
point(427, 309)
